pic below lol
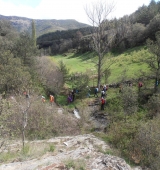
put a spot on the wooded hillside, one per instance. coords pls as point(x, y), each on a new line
point(138, 27)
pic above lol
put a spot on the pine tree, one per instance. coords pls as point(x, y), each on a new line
point(34, 33)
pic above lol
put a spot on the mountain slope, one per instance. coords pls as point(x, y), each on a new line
point(42, 26)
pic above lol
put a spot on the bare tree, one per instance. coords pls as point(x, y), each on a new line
point(98, 14)
point(49, 75)
point(23, 107)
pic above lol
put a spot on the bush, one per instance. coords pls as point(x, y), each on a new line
point(121, 135)
point(51, 148)
point(78, 164)
point(145, 146)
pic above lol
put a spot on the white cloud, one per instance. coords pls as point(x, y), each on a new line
point(65, 9)
point(124, 7)
point(60, 9)
point(10, 9)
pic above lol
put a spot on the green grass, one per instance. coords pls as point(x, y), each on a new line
point(76, 63)
point(31, 150)
point(127, 65)
point(78, 164)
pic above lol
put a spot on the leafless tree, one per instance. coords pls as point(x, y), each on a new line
point(98, 14)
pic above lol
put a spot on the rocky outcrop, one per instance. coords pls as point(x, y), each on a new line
point(78, 152)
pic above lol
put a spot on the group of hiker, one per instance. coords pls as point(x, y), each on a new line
point(103, 89)
point(51, 99)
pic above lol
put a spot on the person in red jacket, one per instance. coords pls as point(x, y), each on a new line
point(102, 103)
point(140, 84)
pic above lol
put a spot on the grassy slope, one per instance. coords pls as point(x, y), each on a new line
point(76, 63)
point(130, 61)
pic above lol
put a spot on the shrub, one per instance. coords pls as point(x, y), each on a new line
point(145, 146)
point(51, 148)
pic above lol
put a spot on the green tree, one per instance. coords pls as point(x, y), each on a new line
point(153, 105)
point(129, 100)
point(80, 83)
point(64, 70)
point(34, 33)
point(14, 77)
point(154, 60)
point(25, 50)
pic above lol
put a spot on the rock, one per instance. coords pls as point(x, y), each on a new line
point(81, 147)
point(60, 110)
point(61, 150)
point(65, 143)
point(76, 114)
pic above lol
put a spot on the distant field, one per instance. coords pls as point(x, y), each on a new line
point(76, 63)
point(130, 61)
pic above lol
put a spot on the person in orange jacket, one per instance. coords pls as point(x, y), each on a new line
point(51, 99)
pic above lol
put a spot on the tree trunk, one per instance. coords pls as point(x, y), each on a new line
point(99, 73)
point(23, 138)
point(157, 79)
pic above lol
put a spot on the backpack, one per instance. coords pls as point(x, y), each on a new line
point(103, 101)
point(140, 84)
point(96, 90)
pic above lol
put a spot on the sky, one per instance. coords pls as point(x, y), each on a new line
point(63, 9)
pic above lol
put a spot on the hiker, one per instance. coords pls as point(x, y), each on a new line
point(43, 99)
point(104, 88)
point(76, 91)
point(107, 87)
point(102, 103)
point(25, 93)
point(140, 84)
point(69, 99)
point(73, 95)
point(102, 93)
point(51, 99)
point(96, 92)
point(120, 88)
point(88, 94)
